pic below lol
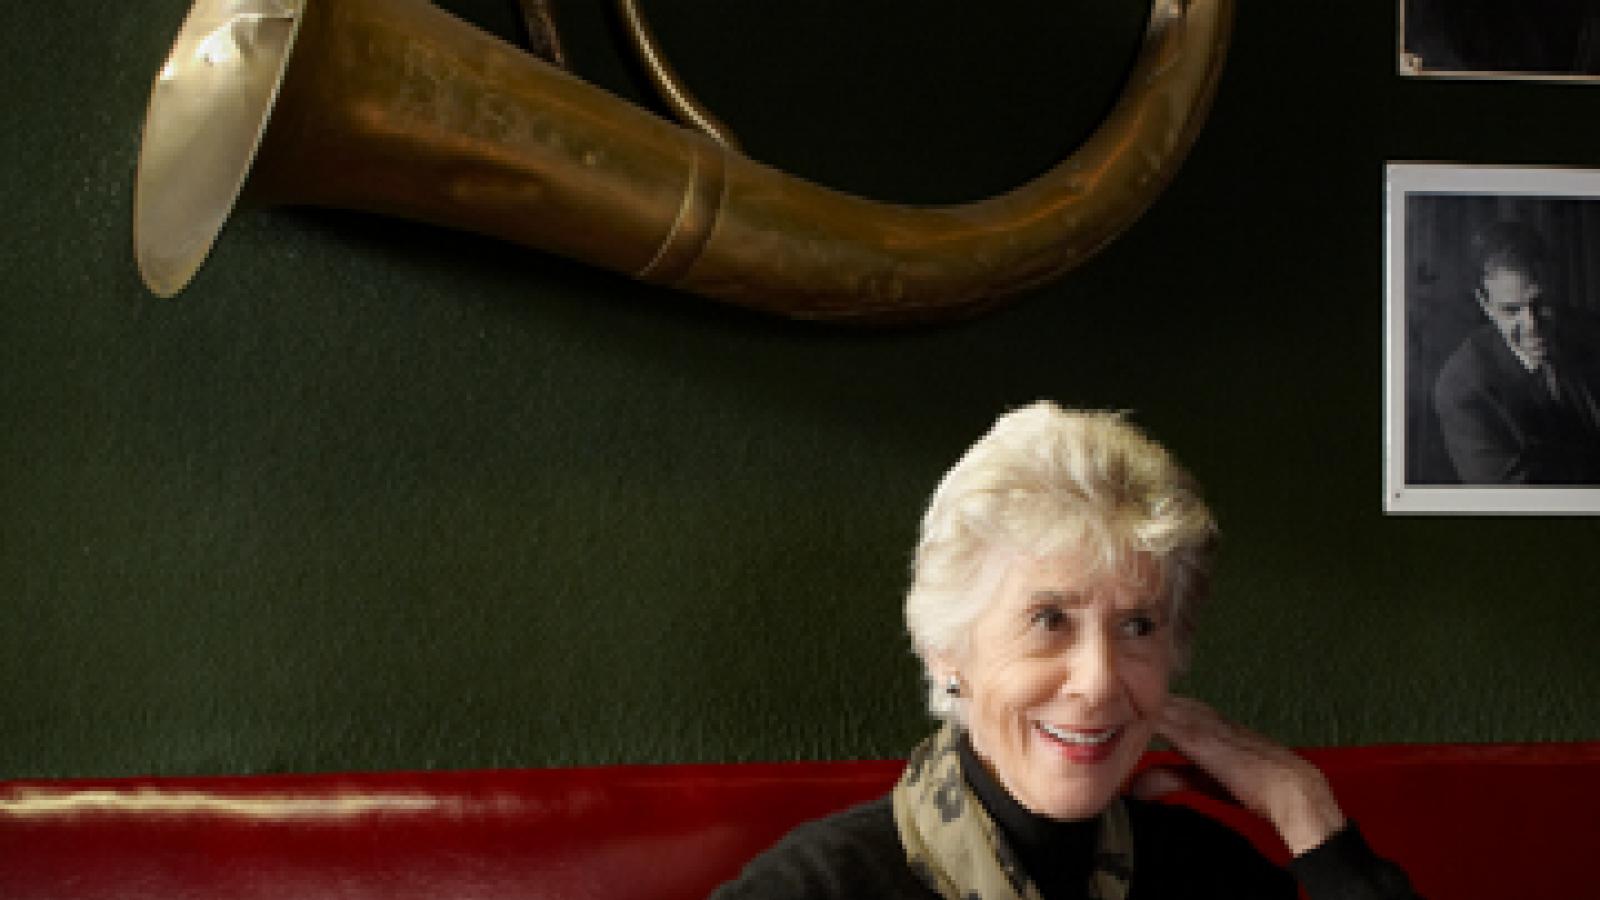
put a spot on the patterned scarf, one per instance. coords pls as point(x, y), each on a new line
point(955, 848)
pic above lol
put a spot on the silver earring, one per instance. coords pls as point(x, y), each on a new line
point(952, 686)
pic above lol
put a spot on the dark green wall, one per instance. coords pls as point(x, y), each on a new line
point(373, 495)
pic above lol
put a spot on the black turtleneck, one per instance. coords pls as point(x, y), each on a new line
point(1179, 854)
point(1057, 855)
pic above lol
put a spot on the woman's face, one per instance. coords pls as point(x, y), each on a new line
point(1063, 677)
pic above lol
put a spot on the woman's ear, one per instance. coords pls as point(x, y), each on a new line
point(943, 672)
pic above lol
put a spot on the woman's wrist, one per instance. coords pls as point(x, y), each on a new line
point(1307, 815)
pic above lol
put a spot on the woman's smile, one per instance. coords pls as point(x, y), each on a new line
point(1082, 746)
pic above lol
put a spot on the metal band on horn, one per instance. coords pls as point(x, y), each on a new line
point(398, 108)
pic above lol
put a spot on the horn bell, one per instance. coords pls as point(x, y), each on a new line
point(398, 108)
point(208, 109)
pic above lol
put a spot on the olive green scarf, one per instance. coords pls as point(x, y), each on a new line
point(955, 848)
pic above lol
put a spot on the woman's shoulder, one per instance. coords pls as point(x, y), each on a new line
point(852, 853)
point(1179, 852)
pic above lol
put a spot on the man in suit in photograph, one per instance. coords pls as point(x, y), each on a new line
point(1516, 401)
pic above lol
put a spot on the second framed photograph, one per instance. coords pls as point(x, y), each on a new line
point(1492, 351)
point(1546, 40)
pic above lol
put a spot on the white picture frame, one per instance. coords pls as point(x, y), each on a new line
point(1430, 310)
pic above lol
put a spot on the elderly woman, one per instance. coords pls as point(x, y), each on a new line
point(1061, 566)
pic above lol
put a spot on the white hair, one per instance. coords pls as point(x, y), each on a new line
point(1042, 481)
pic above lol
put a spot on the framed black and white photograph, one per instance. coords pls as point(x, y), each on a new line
point(1492, 340)
point(1556, 40)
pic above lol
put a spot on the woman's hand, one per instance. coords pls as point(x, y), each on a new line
point(1260, 775)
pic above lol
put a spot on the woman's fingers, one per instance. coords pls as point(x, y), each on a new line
point(1261, 775)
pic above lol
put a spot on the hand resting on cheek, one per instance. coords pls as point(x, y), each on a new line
point(1247, 769)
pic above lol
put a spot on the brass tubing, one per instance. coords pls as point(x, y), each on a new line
point(689, 110)
point(790, 247)
point(396, 107)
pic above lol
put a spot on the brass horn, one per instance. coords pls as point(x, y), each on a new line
point(396, 107)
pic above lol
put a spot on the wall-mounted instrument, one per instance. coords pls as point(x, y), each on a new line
point(396, 107)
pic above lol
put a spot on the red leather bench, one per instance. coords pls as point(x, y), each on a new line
point(1467, 821)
